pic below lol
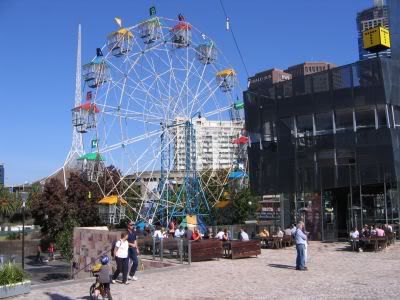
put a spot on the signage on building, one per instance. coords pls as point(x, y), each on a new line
point(376, 39)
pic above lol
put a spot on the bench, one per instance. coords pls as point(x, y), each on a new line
point(239, 249)
point(287, 241)
point(204, 249)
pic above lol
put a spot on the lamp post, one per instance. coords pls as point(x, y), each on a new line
point(23, 229)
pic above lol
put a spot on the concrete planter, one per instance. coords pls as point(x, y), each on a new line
point(15, 289)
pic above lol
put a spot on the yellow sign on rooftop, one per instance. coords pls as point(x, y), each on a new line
point(376, 39)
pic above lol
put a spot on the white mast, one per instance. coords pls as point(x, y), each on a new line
point(77, 141)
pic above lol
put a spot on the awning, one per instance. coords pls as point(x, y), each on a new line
point(110, 200)
point(92, 157)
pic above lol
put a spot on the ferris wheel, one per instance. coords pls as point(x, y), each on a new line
point(162, 106)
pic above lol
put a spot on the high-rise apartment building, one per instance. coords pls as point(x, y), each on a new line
point(1, 174)
point(378, 15)
point(214, 147)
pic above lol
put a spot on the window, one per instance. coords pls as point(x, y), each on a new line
point(396, 115)
point(323, 123)
point(304, 125)
point(365, 118)
point(344, 119)
point(268, 132)
point(381, 114)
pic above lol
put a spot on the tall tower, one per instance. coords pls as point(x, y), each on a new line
point(77, 142)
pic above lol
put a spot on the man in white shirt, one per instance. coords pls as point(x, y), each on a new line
point(220, 235)
point(244, 237)
point(179, 232)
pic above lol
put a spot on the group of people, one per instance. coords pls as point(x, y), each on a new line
point(125, 251)
point(369, 231)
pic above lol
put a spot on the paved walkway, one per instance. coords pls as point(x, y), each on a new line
point(333, 274)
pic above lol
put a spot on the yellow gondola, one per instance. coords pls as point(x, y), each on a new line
point(112, 209)
point(120, 42)
point(226, 79)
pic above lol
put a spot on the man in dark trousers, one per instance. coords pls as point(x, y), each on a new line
point(133, 251)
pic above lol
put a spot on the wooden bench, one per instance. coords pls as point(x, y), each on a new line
point(239, 249)
point(287, 241)
point(205, 249)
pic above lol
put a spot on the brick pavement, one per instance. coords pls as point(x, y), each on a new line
point(333, 274)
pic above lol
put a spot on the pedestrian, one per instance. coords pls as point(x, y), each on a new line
point(51, 250)
point(133, 251)
point(39, 254)
point(301, 240)
point(121, 256)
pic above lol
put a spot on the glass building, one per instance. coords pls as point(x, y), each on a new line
point(328, 144)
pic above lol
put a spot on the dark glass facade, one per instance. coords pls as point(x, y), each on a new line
point(329, 145)
point(1, 174)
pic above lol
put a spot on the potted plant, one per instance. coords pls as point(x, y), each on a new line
point(13, 281)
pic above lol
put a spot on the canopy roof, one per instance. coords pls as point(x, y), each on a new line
point(92, 157)
point(226, 73)
point(240, 141)
point(237, 174)
point(87, 106)
point(112, 200)
point(182, 26)
point(223, 203)
point(121, 31)
point(238, 105)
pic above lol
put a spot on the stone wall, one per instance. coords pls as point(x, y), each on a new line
point(90, 243)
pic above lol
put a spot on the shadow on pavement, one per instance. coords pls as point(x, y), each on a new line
point(57, 296)
point(282, 266)
point(55, 276)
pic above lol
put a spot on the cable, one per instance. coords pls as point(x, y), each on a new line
point(234, 39)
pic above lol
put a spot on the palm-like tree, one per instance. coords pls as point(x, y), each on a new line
point(8, 203)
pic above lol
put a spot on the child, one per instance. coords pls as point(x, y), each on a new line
point(104, 277)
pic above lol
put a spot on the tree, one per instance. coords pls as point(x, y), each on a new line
point(8, 204)
point(64, 240)
point(50, 208)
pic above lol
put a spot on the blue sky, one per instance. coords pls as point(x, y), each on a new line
point(38, 54)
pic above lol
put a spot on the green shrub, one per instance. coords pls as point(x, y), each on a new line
point(11, 273)
point(14, 236)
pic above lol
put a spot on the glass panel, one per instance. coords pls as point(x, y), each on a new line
point(365, 118)
point(382, 120)
point(288, 128)
point(323, 123)
point(341, 78)
point(287, 89)
point(321, 82)
point(344, 119)
point(396, 115)
point(304, 125)
point(268, 132)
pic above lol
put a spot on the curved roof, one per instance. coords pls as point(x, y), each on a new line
point(112, 200)
point(87, 106)
point(122, 31)
point(241, 140)
point(91, 157)
point(226, 73)
point(182, 26)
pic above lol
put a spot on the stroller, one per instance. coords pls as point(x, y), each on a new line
point(98, 289)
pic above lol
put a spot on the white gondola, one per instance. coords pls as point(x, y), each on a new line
point(84, 117)
point(150, 30)
point(96, 72)
point(206, 53)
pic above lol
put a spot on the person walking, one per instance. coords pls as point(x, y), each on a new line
point(121, 256)
point(133, 251)
point(301, 240)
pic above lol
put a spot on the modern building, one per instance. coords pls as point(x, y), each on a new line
point(378, 15)
point(214, 147)
point(268, 77)
point(309, 67)
point(1, 174)
point(329, 156)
